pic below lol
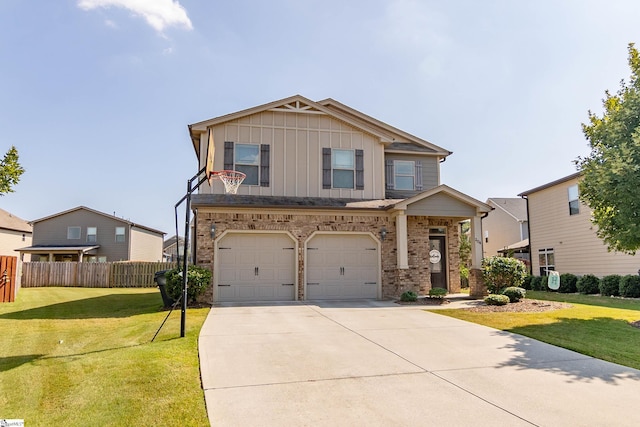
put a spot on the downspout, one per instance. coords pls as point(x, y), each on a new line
point(524, 196)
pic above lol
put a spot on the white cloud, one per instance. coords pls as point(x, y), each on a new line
point(160, 14)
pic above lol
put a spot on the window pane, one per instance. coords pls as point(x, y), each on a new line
point(92, 234)
point(342, 159)
point(404, 167)
point(251, 172)
point(247, 154)
point(73, 232)
point(119, 234)
point(574, 207)
point(550, 259)
point(573, 192)
point(404, 183)
point(542, 258)
point(342, 179)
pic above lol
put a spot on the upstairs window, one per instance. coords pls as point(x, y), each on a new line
point(120, 234)
point(342, 168)
point(73, 233)
point(92, 234)
point(251, 159)
point(404, 175)
point(574, 201)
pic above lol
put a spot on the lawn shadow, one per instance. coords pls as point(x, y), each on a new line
point(107, 306)
point(533, 354)
point(8, 363)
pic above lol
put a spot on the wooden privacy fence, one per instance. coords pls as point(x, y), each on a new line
point(92, 274)
point(8, 278)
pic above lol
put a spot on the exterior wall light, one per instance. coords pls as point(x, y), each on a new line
point(213, 230)
point(383, 233)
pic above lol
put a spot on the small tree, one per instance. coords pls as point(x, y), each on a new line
point(500, 272)
point(10, 171)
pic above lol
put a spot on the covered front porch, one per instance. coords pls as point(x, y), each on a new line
point(43, 253)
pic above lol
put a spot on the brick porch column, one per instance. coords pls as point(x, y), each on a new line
point(477, 288)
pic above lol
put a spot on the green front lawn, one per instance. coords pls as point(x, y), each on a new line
point(79, 357)
point(595, 326)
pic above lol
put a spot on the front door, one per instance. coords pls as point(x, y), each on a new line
point(438, 262)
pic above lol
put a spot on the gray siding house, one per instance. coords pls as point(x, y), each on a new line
point(336, 205)
point(86, 235)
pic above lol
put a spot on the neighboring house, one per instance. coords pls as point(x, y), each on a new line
point(335, 205)
point(563, 238)
point(14, 233)
point(86, 235)
point(506, 229)
point(173, 249)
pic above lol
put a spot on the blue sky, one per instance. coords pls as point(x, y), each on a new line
point(97, 94)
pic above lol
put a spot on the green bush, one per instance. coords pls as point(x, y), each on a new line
point(630, 286)
point(514, 293)
point(526, 284)
point(610, 285)
point(568, 283)
point(198, 280)
point(437, 293)
point(536, 283)
point(588, 284)
point(544, 283)
point(409, 296)
point(501, 272)
point(495, 299)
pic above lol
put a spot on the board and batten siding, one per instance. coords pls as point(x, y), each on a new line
point(145, 245)
point(296, 141)
point(577, 249)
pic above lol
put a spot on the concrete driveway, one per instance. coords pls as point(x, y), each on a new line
point(375, 363)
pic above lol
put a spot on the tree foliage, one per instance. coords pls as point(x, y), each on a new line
point(611, 173)
point(10, 171)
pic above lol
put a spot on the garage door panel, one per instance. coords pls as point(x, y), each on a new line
point(255, 267)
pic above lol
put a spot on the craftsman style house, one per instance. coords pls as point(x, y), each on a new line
point(564, 239)
point(86, 235)
point(335, 205)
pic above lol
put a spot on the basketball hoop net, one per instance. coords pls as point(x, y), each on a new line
point(230, 179)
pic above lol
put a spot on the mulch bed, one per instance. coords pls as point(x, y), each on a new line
point(523, 306)
point(425, 301)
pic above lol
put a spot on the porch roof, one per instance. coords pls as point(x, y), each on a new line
point(45, 249)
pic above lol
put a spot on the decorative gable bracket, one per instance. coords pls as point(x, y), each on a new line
point(297, 107)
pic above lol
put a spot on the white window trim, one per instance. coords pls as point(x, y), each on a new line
point(74, 227)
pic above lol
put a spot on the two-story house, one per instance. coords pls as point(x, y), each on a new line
point(14, 233)
point(564, 239)
point(335, 205)
point(85, 235)
point(505, 230)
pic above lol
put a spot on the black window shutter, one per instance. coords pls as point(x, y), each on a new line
point(326, 167)
point(228, 155)
point(418, 175)
point(389, 175)
point(359, 170)
point(264, 165)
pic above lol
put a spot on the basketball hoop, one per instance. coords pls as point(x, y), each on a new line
point(230, 179)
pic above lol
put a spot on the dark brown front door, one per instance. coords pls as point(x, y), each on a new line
point(437, 258)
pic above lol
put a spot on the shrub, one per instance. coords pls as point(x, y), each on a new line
point(437, 293)
point(198, 280)
point(544, 283)
point(610, 285)
point(630, 286)
point(526, 284)
point(464, 276)
point(536, 283)
point(500, 272)
point(568, 283)
point(588, 284)
point(409, 296)
point(495, 299)
point(514, 293)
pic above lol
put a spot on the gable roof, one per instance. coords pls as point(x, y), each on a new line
point(551, 184)
point(122, 220)
point(444, 189)
point(514, 206)
point(297, 103)
point(9, 221)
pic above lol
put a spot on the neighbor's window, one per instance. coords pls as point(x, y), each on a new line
point(547, 261)
point(119, 234)
point(247, 161)
point(73, 233)
point(574, 201)
point(92, 234)
point(405, 174)
point(343, 168)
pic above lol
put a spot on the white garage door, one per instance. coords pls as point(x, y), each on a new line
point(342, 266)
point(256, 267)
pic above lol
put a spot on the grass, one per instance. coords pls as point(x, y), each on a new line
point(78, 357)
point(595, 326)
